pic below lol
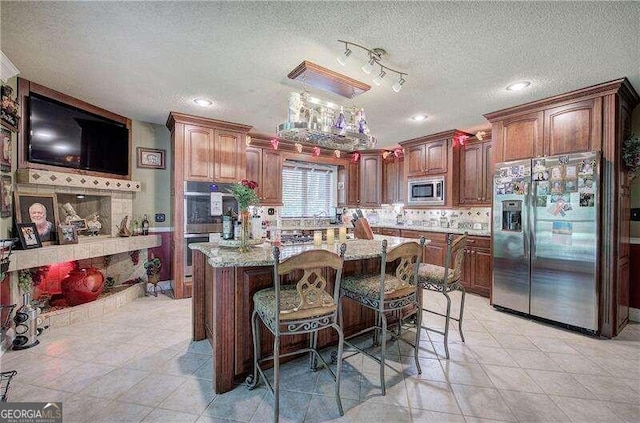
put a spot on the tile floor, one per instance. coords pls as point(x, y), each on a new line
point(138, 364)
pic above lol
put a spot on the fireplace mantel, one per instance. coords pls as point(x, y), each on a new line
point(88, 247)
point(47, 177)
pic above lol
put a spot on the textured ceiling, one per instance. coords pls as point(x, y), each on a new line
point(145, 59)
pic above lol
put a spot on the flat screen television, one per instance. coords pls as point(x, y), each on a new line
point(63, 135)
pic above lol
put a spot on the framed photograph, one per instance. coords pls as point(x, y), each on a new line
point(5, 196)
point(78, 224)
point(41, 209)
point(151, 158)
point(9, 112)
point(5, 147)
point(28, 235)
point(67, 234)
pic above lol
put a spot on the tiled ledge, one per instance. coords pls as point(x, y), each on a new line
point(45, 177)
point(94, 310)
point(86, 248)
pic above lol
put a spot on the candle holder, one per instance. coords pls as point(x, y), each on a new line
point(330, 236)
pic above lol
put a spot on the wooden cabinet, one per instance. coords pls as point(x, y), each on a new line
point(475, 173)
point(393, 185)
point(427, 158)
point(434, 252)
point(205, 150)
point(370, 179)
point(353, 185)
point(265, 167)
point(574, 127)
point(213, 155)
point(478, 266)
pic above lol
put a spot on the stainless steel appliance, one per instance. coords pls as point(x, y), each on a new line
point(204, 206)
point(426, 191)
point(545, 242)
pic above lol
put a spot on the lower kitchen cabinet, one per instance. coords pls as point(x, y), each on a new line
point(435, 251)
point(478, 264)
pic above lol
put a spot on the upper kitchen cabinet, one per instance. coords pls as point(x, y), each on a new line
point(426, 156)
point(571, 126)
point(393, 184)
point(349, 185)
point(207, 150)
point(474, 172)
point(264, 165)
point(370, 179)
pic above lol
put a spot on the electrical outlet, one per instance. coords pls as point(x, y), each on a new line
point(271, 211)
point(635, 215)
point(160, 217)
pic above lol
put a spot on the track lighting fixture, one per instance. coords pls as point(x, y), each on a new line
point(375, 58)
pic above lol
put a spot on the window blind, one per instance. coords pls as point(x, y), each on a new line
point(308, 189)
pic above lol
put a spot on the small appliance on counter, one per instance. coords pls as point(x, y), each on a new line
point(26, 321)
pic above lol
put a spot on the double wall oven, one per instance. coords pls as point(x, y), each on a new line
point(204, 205)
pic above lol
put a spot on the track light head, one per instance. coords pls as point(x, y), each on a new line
point(398, 85)
point(342, 59)
point(368, 67)
point(378, 79)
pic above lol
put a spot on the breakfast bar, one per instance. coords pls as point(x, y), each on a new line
point(224, 281)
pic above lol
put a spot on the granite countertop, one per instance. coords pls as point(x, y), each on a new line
point(261, 255)
point(420, 228)
point(312, 227)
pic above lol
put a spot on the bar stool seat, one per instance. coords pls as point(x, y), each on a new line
point(264, 302)
point(367, 288)
point(433, 274)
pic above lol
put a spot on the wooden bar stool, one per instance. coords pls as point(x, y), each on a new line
point(387, 293)
point(444, 280)
point(305, 307)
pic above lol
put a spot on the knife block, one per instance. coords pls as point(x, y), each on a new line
point(362, 229)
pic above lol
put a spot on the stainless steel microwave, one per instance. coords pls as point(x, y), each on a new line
point(426, 192)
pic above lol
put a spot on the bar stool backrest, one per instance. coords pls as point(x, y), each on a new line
point(410, 254)
point(312, 283)
point(455, 257)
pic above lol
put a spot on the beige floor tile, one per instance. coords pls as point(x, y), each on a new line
point(374, 412)
point(457, 352)
point(429, 395)
point(431, 369)
point(511, 378)
point(82, 408)
point(619, 367)
point(193, 396)
point(239, 404)
point(528, 359)
point(559, 384)
point(324, 408)
point(585, 410)
point(552, 345)
point(426, 416)
point(491, 355)
point(629, 413)
point(115, 383)
point(466, 374)
point(517, 342)
point(121, 412)
point(349, 385)
point(529, 407)
point(80, 377)
point(293, 407)
point(169, 416)
point(482, 402)
point(151, 390)
point(396, 394)
point(609, 388)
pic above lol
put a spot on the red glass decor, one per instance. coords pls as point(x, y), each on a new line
point(82, 286)
point(355, 157)
point(275, 143)
point(316, 151)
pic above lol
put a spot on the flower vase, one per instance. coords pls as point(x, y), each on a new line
point(245, 231)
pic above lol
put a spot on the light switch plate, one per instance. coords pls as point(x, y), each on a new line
point(635, 215)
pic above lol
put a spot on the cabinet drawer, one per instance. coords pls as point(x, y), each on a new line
point(479, 242)
point(390, 232)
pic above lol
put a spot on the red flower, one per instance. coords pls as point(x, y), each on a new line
point(253, 184)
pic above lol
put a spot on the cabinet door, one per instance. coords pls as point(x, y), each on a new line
point(573, 128)
point(434, 254)
point(198, 153)
point(254, 167)
point(370, 180)
point(471, 183)
point(467, 277)
point(481, 271)
point(342, 186)
point(436, 155)
point(390, 181)
point(271, 177)
point(487, 172)
point(353, 185)
point(520, 138)
point(229, 156)
point(415, 160)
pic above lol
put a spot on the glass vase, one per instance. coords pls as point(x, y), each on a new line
point(245, 231)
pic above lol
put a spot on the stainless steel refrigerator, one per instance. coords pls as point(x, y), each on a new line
point(545, 238)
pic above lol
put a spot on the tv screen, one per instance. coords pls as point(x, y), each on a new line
point(63, 135)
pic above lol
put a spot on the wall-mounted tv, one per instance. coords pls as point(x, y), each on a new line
point(60, 134)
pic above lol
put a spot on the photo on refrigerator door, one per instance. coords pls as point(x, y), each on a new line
point(543, 188)
point(586, 184)
point(561, 233)
point(587, 200)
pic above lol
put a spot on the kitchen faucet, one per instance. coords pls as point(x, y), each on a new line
point(317, 216)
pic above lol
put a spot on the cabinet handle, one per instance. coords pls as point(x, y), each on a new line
point(471, 241)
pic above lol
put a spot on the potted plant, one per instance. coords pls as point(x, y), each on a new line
point(153, 267)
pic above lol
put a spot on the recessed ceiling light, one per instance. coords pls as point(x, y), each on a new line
point(203, 102)
point(418, 118)
point(517, 86)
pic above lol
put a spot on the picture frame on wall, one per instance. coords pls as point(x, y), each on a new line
point(5, 196)
point(67, 234)
point(151, 158)
point(40, 209)
point(5, 148)
point(9, 112)
point(28, 234)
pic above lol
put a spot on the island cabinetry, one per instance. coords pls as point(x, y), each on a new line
point(264, 165)
point(393, 187)
point(370, 179)
point(475, 173)
point(478, 264)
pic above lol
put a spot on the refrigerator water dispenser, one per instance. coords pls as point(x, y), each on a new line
point(512, 215)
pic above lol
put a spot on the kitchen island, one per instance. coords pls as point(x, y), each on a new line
point(224, 282)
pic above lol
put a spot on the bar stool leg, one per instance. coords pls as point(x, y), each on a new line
point(461, 312)
point(383, 347)
point(446, 324)
point(313, 344)
point(339, 366)
point(276, 379)
point(252, 380)
point(417, 344)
